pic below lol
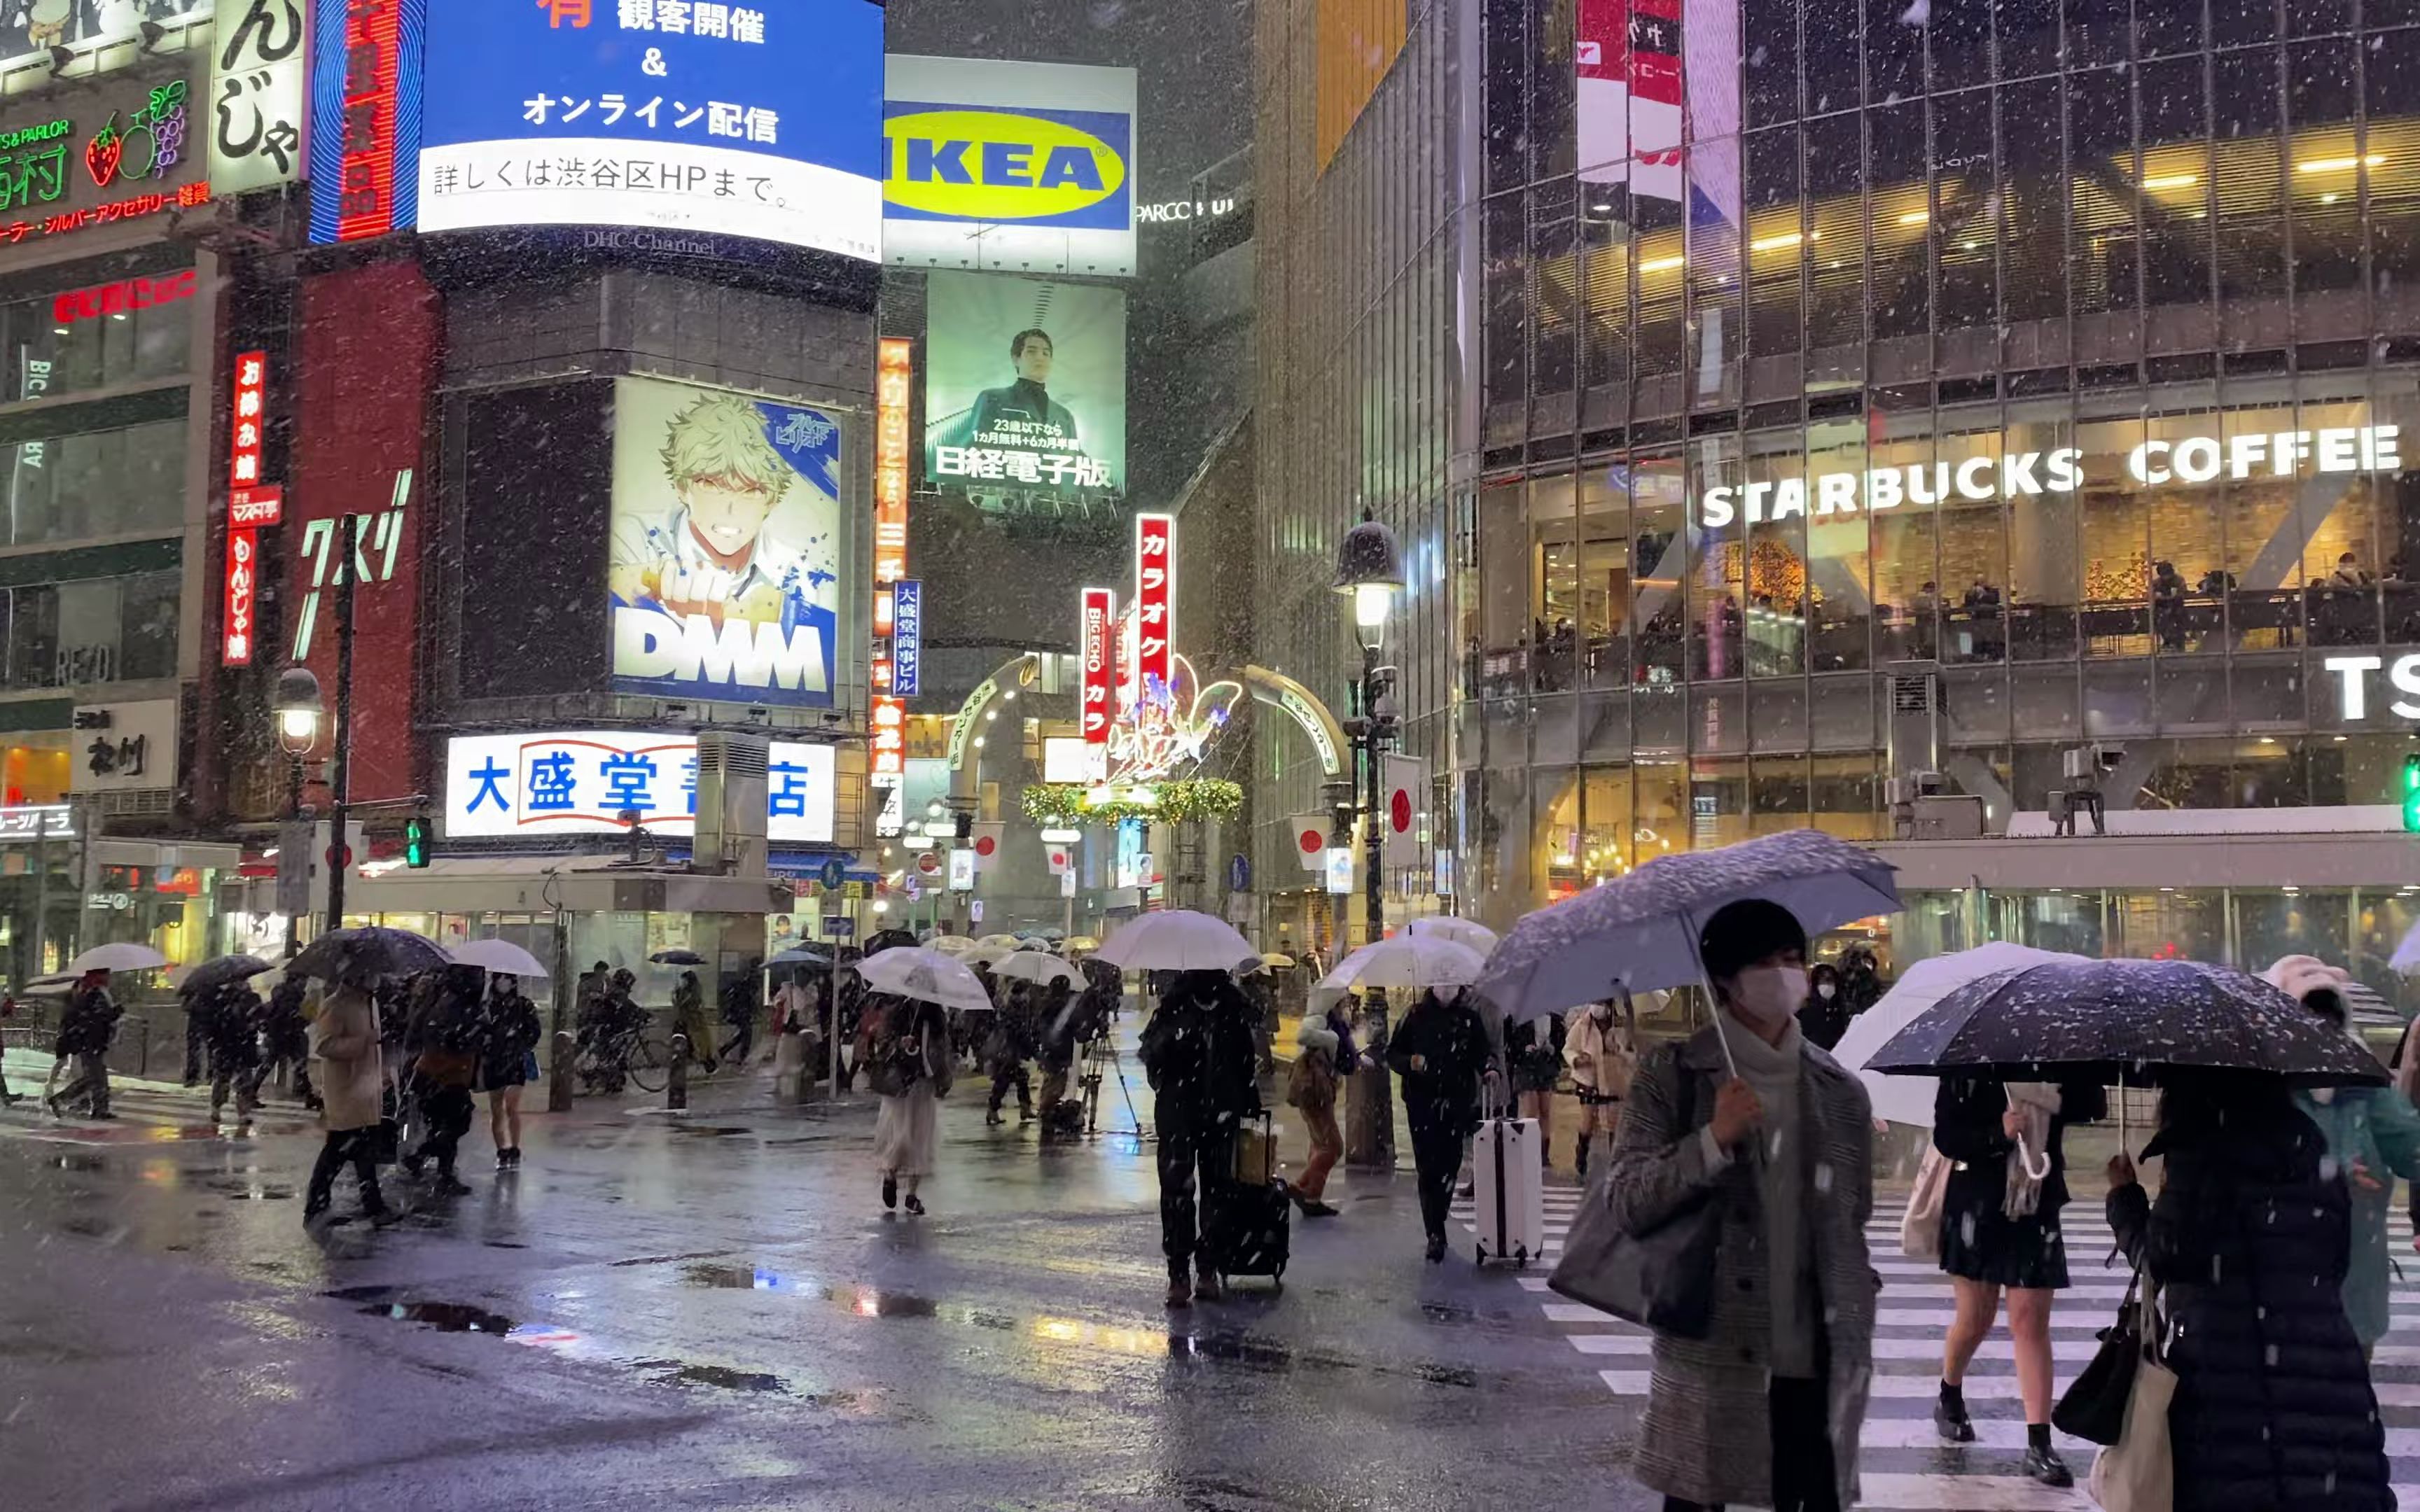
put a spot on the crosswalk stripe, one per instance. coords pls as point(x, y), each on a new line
point(1888, 1347)
point(2393, 1396)
point(1964, 1493)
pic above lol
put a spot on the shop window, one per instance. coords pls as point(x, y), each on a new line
point(1902, 302)
point(2268, 692)
point(2187, 773)
point(1839, 593)
point(1504, 578)
point(1769, 39)
point(1844, 796)
point(1658, 606)
point(2045, 701)
point(1554, 300)
point(1835, 270)
point(2249, 178)
point(48, 360)
point(2100, 188)
point(1605, 350)
point(2391, 87)
point(1604, 564)
point(2193, 695)
point(1555, 627)
point(2170, 923)
point(98, 630)
point(1966, 220)
point(1975, 589)
point(1507, 373)
point(1777, 716)
point(1772, 582)
point(95, 483)
point(1775, 249)
point(1605, 845)
point(1975, 705)
point(2175, 183)
point(2294, 921)
point(2031, 174)
point(1842, 712)
point(2118, 699)
point(2270, 772)
point(1776, 795)
point(1908, 600)
point(1718, 806)
point(2068, 919)
point(1715, 560)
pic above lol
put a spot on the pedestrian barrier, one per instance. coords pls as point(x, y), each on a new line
point(677, 1085)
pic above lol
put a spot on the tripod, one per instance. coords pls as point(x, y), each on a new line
point(1100, 1058)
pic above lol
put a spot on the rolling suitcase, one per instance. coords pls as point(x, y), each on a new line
point(1510, 1196)
point(1248, 1230)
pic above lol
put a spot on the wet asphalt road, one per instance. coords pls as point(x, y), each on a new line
point(712, 1312)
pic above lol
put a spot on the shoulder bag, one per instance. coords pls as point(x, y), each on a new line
point(1664, 1278)
point(2093, 1408)
point(1920, 1231)
point(2138, 1473)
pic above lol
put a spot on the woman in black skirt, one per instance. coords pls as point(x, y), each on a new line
point(1999, 1232)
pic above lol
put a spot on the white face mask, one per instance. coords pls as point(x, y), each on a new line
point(1826, 992)
point(1765, 995)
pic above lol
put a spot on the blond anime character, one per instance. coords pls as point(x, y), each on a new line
point(715, 554)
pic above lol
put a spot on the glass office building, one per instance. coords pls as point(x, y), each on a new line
point(2065, 357)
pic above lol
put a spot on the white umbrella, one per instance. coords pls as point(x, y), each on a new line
point(950, 944)
point(124, 955)
point(1177, 939)
point(1408, 961)
point(927, 976)
point(1009, 940)
point(502, 957)
point(1037, 965)
point(1463, 932)
point(1909, 1098)
point(990, 955)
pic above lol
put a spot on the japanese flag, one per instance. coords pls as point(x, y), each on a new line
point(1311, 841)
point(1403, 804)
point(1060, 859)
point(986, 841)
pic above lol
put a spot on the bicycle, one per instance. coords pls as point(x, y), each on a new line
point(643, 1058)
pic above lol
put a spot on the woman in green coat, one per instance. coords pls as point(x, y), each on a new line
point(2373, 1137)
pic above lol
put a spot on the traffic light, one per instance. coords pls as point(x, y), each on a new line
point(416, 839)
point(2411, 793)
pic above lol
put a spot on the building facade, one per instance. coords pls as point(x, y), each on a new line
point(2052, 367)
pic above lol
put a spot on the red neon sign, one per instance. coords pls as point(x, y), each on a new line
point(118, 298)
point(365, 207)
point(1100, 674)
point(1154, 602)
point(251, 419)
point(889, 721)
point(242, 579)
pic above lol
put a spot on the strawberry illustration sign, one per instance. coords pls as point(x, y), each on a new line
point(95, 151)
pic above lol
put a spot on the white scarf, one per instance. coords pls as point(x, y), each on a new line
point(2029, 1162)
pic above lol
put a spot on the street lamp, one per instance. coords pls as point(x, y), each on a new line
point(1369, 573)
point(299, 710)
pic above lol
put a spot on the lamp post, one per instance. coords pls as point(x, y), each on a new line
point(299, 712)
point(291, 717)
point(1369, 573)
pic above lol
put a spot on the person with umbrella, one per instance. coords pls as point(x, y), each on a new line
point(86, 1026)
point(688, 1019)
point(2000, 1233)
point(1197, 1052)
point(231, 1013)
point(1766, 1407)
point(508, 1036)
point(2249, 1241)
point(1603, 1058)
point(1014, 1040)
point(1441, 1051)
point(1310, 1090)
point(285, 1037)
point(345, 1040)
point(909, 1066)
point(739, 1007)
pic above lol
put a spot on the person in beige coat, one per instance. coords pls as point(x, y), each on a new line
point(345, 1042)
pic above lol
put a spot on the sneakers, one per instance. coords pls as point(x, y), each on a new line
point(2045, 1466)
point(915, 1206)
point(1316, 1208)
point(1949, 1418)
point(890, 1193)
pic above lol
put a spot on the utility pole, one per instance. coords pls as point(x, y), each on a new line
point(1369, 1100)
point(340, 769)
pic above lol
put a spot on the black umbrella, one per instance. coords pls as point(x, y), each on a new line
point(376, 948)
point(677, 958)
point(2123, 1021)
point(219, 972)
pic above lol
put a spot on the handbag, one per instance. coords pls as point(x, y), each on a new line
point(1920, 1231)
point(2138, 1473)
point(2093, 1408)
point(1663, 1278)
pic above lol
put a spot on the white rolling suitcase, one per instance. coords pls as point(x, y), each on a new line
point(1509, 1191)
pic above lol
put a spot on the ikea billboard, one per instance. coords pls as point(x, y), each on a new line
point(1010, 168)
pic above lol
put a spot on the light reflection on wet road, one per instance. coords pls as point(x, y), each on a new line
point(715, 1313)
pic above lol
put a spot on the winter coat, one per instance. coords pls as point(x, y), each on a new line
point(1824, 1022)
point(2273, 1411)
point(345, 1042)
point(231, 1026)
point(88, 1023)
point(509, 1031)
point(1707, 1436)
point(1200, 1054)
point(1599, 1062)
point(1533, 1053)
point(1966, 1128)
point(2372, 1127)
point(1453, 1044)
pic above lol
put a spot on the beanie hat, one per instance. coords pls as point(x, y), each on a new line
point(1744, 932)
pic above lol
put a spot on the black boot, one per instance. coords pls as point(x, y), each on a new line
point(1950, 1416)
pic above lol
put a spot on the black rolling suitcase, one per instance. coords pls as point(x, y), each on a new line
point(1250, 1218)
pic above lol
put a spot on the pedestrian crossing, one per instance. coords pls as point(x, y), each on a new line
point(146, 1113)
point(1904, 1465)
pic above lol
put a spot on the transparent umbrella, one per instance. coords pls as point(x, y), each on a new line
point(499, 956)
point(1407, 961)
point(927, 976)
point(1178, 939)
point(122, 955)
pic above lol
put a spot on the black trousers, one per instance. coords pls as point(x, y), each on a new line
point(743, 1039)
point(1436, 1154)
point(1804, 1478)
point(345, 1146)
point(1008, 1076)
point(448, 1110)
point(1193, 1164)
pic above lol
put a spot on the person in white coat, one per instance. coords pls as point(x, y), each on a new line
point(345, 1042)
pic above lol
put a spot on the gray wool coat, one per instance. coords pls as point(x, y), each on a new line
point(1707, 1436)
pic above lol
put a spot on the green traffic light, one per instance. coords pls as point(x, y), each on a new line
point(2411, 793)
point(416, 842)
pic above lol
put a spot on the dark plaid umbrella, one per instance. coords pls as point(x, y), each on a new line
point(222, 970)
point(2130, 1021)
point(1642, 930)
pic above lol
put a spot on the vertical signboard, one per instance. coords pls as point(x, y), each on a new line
point(906, 637)
point(1629, 107)
point(257, 93)
point(1100, 677)
point(894, 376)
point(249, 419)
point(1154, 604)
point(366, 102)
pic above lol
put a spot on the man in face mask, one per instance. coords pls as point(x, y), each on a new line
point(1765, 1409)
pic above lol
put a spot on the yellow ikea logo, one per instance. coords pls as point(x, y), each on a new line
point(996, 165)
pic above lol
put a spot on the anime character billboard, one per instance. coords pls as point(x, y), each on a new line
point(725, 570)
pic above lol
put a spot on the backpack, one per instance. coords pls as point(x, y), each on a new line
point(899, 1061)
point(1311, 1084)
